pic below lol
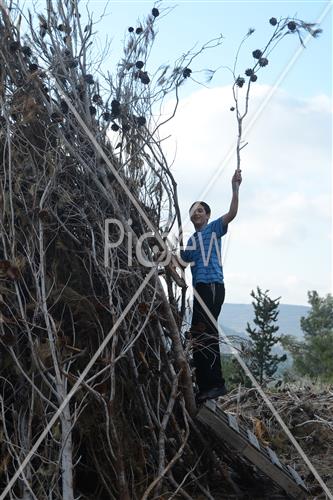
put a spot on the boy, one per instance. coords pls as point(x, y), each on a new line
point(203, 251)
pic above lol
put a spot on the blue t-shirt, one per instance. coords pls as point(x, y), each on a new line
point(203, 250)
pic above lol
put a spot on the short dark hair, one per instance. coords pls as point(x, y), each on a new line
point(203, 204)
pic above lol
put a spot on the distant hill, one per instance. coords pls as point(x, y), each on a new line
point(234, 318)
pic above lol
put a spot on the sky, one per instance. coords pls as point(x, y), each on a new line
point(281, 239)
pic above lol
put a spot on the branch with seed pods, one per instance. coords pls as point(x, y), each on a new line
point(283, 28)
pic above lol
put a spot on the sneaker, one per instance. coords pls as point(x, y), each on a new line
point(213, 393)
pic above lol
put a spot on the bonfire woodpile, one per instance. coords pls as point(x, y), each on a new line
point(76, 150)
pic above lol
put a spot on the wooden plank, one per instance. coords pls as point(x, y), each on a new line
point(285, 481)
point(241, 443)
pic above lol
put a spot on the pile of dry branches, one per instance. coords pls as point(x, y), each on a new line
point(76, 150)
point(307, 412)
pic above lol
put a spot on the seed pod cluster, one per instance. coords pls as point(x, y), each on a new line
point(187, 72)
point(240, 82)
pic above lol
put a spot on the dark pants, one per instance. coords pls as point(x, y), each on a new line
point(206, 350)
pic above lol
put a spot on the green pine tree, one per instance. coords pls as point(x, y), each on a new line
point(314, 355)
point(263, 362)
point(319, 321)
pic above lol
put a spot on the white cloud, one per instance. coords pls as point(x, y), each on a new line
point(282, 232)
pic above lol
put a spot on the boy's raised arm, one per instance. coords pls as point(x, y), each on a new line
point(235, 182)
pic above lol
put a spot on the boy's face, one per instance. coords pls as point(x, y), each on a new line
point(199, 216)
